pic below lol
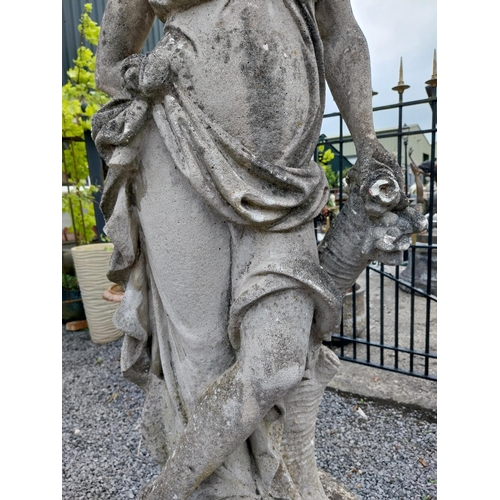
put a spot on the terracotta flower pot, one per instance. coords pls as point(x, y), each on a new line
point(114, 293)
point(91, 265)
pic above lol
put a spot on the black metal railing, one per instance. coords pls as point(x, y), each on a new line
point(389, 319)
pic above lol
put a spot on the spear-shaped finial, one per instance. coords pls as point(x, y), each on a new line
point(401, 87)
point(433, 81)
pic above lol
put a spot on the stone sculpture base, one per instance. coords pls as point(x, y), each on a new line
point(335, 490)
point(421, 271)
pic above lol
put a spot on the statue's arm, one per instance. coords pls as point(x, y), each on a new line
point(376, 223)
point(348, 74)
point(347, 66)
point(125, 27)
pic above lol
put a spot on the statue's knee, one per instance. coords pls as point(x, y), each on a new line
point(274, 385)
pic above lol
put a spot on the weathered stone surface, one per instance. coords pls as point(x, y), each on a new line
point(209, 201)
point(335, 490)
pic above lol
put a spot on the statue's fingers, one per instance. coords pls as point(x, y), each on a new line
point(395, 232)
point(379, 232)
point(414, 220)
point(389, 258)
point(389, 219)
point(386, 244)
point(405, 227)
point(403, 243)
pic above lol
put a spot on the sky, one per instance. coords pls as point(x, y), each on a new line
point(396, 29)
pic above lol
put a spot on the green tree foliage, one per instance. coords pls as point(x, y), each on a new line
point(80, 100)
point(325, 159)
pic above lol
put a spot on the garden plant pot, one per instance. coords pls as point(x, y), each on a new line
point(91, 265)
point(114, 293)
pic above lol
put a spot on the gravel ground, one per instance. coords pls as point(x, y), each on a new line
point(380, 452)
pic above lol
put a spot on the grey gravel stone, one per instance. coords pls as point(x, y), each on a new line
point(389, 456)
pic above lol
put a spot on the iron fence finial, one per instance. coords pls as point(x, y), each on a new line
point(433, 81)
point(401, 87)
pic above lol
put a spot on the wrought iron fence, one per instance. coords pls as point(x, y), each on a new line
point(389, 318)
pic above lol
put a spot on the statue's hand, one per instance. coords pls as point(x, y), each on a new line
point(390, 235)
point(377, 180)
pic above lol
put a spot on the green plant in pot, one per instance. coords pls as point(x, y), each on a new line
point(80, 100)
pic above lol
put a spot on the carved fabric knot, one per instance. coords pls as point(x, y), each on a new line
point(116, 126)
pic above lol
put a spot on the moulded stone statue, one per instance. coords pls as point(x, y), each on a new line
point(209, 201)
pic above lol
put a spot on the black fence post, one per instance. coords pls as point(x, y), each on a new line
point(97, 179)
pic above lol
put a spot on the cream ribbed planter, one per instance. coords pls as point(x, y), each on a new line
point(91, 265)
